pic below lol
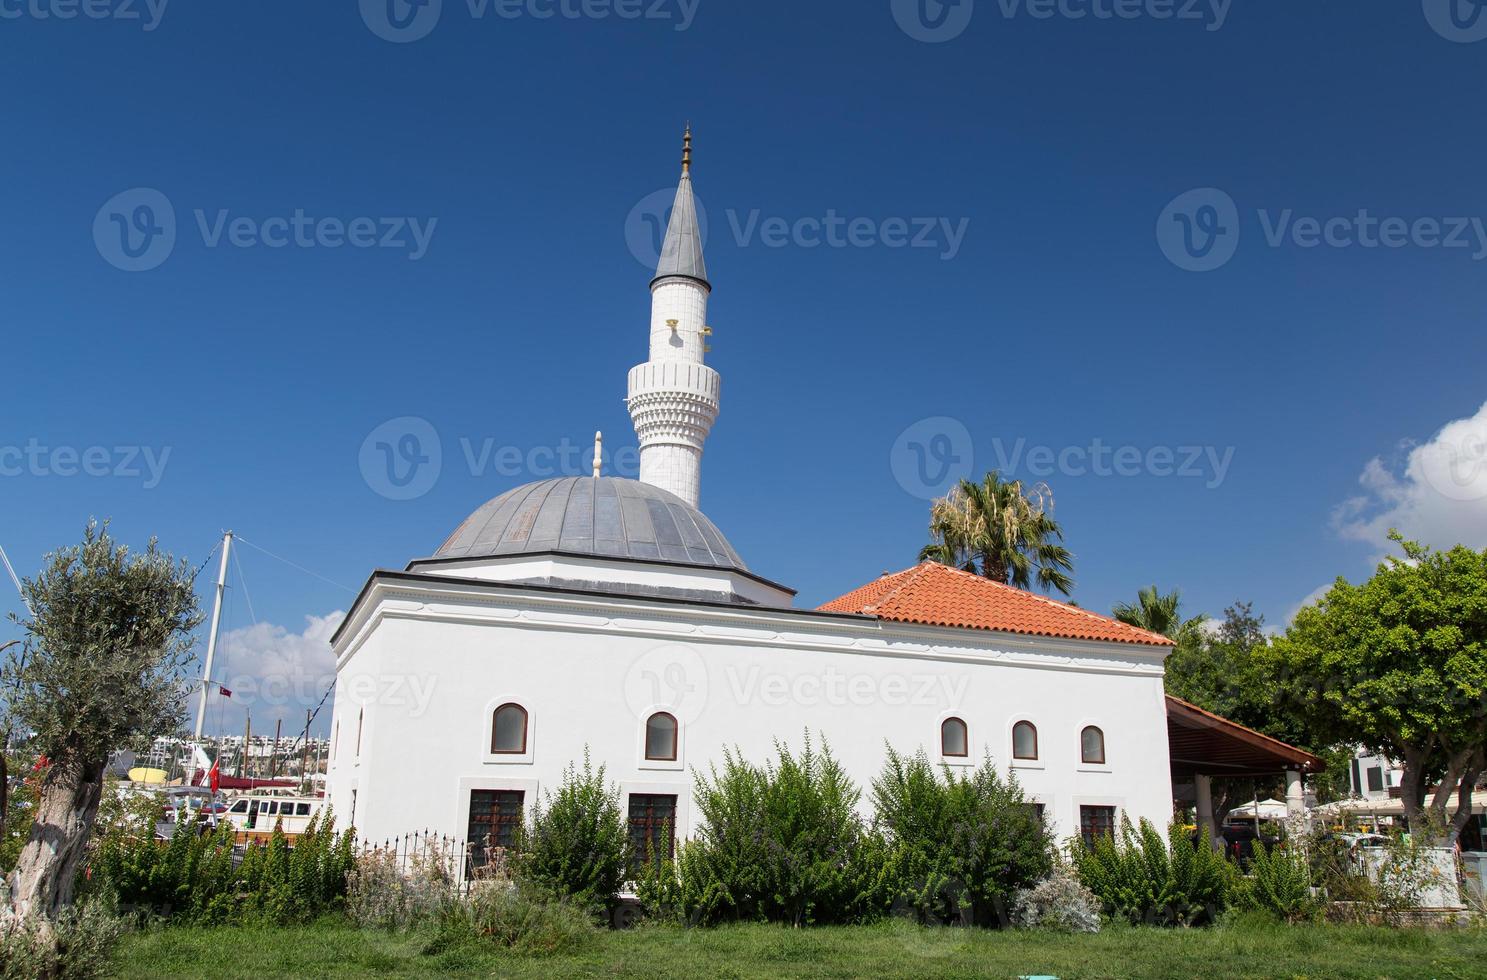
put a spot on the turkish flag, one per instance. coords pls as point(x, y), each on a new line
point(225, 692)
point(214, 776)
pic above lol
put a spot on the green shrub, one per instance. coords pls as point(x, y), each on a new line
point(577, 843)
point(1279, 884)
point(658, 889)
point(1141, 877)
point(520, 917)
point(194, 879)
point(190, 878)
point(779, 843)
point(960, 845)
point(77, 947)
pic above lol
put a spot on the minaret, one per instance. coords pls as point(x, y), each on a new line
point(674, 396)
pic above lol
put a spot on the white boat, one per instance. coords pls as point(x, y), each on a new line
point(188, 805)
point(256, 813)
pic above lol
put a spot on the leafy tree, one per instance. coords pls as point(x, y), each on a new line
point(106, 642)
point(1218, 671)
point(1399, 665)
point(1003, 531)
point(1226, 670)
point(1160, 613)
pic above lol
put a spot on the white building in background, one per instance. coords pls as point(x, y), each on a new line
point(611, 616)
point(1373, 777)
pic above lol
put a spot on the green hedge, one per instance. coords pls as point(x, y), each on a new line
point(1145, 878)
point(961, 843)
point(782, 842)
point(194, 878)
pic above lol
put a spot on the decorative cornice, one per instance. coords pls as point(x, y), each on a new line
point(391, 595)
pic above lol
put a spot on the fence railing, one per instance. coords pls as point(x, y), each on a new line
point(427, 853)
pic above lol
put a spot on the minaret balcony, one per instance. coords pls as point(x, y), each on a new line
point(685, 380)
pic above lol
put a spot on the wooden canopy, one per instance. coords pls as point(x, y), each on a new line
point(1201, 743)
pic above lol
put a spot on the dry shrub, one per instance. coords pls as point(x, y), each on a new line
point(382, 895)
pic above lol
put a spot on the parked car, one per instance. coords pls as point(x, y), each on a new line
point(1240, 837)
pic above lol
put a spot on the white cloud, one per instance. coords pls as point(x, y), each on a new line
point(1311, 599)
point(1438, 496)
point(276, 673)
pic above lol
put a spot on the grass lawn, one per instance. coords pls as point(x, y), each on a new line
point(335, 949)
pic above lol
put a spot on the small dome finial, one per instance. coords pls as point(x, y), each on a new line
point(687, 149)
point(598, 453)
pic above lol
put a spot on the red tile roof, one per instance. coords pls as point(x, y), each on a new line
point(937, 595)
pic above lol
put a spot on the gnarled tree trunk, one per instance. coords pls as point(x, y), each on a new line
point(1439, 819)
point(42, 881)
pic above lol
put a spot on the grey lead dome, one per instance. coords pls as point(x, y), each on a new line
point(605, 516)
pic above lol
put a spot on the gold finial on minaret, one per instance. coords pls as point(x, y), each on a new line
point(687, 150)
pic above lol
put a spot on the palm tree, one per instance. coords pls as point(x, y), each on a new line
point(997, 529)
point(1159, 613)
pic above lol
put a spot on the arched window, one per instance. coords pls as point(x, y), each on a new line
point(509, 730)
point(1024, 740)
point(1092, 746)
point(361, 716)
point(660, 738)
point(335, 742)
point(953, 740)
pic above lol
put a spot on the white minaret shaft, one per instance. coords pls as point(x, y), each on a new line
point(674, 396)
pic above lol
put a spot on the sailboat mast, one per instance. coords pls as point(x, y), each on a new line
point(206, 671)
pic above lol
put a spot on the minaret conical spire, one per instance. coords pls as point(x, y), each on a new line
point(673, 396)
point(681, 254)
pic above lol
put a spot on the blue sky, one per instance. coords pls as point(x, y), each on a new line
point(507, 160)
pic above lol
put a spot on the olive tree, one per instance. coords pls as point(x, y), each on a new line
point(107, 639)
point(1399, 664)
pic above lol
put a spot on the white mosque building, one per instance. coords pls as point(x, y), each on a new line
point(612, 616)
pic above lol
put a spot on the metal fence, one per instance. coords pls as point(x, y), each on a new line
point(426, 853)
